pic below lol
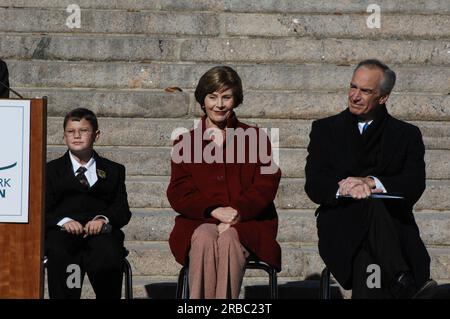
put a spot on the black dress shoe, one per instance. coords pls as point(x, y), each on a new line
point(404, 287)
point(427, 291)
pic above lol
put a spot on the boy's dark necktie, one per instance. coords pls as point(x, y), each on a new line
point(81, 177)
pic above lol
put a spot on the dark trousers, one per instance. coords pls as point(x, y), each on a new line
point(382, 249)
point(100, 256)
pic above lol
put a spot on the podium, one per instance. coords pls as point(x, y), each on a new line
point(22, 230)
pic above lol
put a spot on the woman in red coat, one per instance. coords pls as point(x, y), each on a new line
point(223, 185)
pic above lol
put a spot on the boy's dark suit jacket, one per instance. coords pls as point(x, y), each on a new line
point(401, 170)
point(66, 197)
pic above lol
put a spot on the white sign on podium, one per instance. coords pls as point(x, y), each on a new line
point(14, 160)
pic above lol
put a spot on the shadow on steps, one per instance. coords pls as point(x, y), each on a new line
point(304, 289)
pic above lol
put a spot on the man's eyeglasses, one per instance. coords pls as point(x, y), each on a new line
point(81, 132)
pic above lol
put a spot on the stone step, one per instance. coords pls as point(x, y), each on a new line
point(320, 77)
point(156, 160)
point(273, 105)
point(294, 226)
point(88, 47)
point(256, 50)
point(158, 131)
point(45, 20)
point(150, 192)
point(331, 25)
point(300, 50)
point(301, 261)
point(131, 103)
point(264, 6)
point(241, 24)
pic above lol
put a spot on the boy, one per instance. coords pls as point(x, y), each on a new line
point(85, 195)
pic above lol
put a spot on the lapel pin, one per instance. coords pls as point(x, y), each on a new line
point(101, 174)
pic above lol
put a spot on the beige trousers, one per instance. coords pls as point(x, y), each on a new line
point(216, 263)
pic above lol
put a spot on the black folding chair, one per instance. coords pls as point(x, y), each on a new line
point(252, 263)
point(325, 287)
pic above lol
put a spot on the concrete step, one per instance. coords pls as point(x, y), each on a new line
point(156, 160)
point(150, 192)
point(264, 6)
point(257, 50)
point(157, 132)
point(300, 261)
point(235, 24)
point(294, 226)
point(320, 77)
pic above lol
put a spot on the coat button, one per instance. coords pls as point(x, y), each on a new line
point(220, 178)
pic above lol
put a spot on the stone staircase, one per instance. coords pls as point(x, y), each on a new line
point(295, 59)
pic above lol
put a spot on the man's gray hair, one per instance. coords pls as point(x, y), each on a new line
point(388, 81)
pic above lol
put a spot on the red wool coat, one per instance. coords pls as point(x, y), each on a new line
point(195, 189)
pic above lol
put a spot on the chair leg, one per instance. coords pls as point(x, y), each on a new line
point(186, 284)
point(128, 280)
point(328, 285)
point(179, 292)
point(273, 283)
point(183, 284)
point(325, 288)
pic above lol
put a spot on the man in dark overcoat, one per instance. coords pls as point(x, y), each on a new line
point(371, 246)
